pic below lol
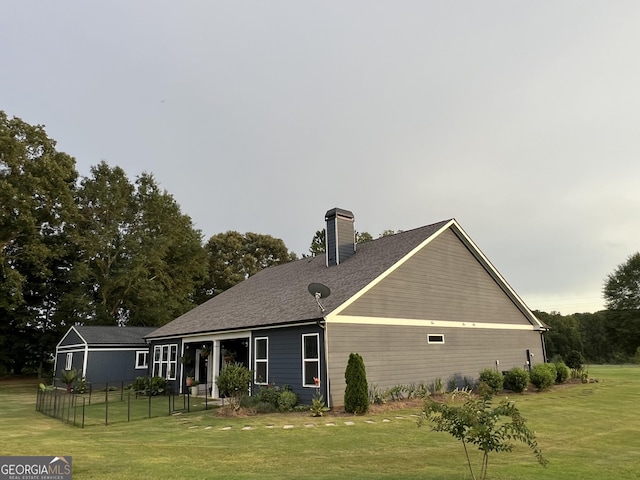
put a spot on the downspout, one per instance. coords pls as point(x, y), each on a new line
point(322, 324)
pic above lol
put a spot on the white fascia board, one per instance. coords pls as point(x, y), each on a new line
point(497, 276)
point(72, 328)
point(388, 272)
point(412, 322)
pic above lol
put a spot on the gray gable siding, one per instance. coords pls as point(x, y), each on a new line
point(442, 281)
point(285, 358)
point(401, 355)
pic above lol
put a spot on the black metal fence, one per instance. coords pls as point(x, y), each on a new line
point(112, 402)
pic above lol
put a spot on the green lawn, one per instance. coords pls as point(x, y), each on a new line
point(585, 431)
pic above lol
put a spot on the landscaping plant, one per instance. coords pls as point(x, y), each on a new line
point(543, 375)
point(475, 421)
point(516, 379)
point(492, 379)
point(233, 382)
point(356, 394)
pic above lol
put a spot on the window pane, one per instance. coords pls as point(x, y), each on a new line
point(311, 346)
point(310, 371)
point(261, 349)
point(261, 372)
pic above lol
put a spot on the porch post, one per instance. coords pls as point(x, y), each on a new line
point(215, 368)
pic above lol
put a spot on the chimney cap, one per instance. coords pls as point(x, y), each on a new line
point(338, 212)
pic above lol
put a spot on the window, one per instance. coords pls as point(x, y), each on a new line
point(435, 338)
point(310, 359)
point(165, 361)
point(261, 363)
point(69, 363)
point(142, 359)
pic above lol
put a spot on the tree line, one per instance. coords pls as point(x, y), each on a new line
point(609, 336)
point(99, 250)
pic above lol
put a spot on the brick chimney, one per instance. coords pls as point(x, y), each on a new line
point(340, 236)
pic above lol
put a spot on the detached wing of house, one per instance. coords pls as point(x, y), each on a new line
point(417, 306)
point(104, 354)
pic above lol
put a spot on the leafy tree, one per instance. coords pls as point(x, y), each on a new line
point(356, 394)
point(37, 185)
point(475, 421)
point(318, 243)
point(622, 287)
point(233, 257)
point(574, 360)
point(142, 259)
point(363, 237)
point(564, 335)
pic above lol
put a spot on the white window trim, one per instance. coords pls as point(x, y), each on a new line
point(434, 341)
point(257, 360)
point(69, 361)
point(142, 359)
point(172, 365)
point(310, 360)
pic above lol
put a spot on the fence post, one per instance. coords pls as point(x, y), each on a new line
point(129, 406)
point(83, 405)
point(106, 404)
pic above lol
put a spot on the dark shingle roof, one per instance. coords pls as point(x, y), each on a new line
point(278, 295)
point(105, 335)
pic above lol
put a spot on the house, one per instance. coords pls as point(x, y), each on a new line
point(104, 354)
point(417, 306)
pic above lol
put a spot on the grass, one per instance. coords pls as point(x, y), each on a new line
point(584, 430)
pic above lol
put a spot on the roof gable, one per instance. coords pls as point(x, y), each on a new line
point(278, 295)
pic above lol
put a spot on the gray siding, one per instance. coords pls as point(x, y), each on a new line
point(399, 355)
point(442, 281)
point(285, 358)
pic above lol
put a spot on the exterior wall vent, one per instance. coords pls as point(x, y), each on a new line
point(340, 236)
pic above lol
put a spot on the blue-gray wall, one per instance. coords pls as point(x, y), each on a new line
point(285, 358)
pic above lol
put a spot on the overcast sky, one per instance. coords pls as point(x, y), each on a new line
point(519, 119)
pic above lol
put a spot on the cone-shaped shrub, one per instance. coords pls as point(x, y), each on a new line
point(356, 394)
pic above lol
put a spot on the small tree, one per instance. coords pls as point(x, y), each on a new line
point(475, 421)
point(233, 382)
point(574, 361)
point(356, 394)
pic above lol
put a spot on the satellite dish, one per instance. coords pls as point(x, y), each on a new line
point(319, 290)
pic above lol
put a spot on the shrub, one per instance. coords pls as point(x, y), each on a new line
point(574, 360)
point(233, 382)
point(356, 394)
point(562, 372)
point(287, 400)
point(269, 394)
point(543, 375)
point(516, 380)
point(146, 385)
point(492, 378)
